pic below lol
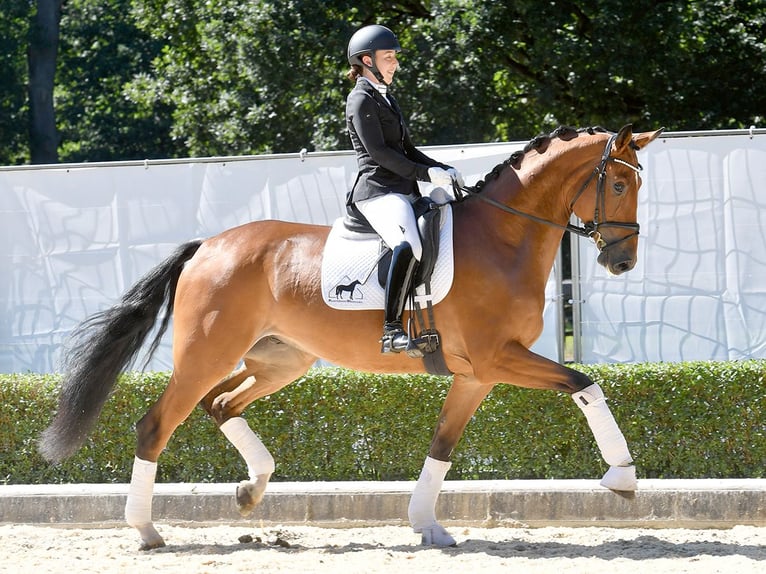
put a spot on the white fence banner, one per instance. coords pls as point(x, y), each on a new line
point(698, 291)
point(74, 238)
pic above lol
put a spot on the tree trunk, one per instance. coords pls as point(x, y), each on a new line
point(41, 56)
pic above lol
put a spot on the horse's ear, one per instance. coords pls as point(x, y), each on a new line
point(623, 139)
point(645, 138)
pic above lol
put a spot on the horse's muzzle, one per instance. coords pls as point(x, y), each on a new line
point(618, 255)
point(617, 261)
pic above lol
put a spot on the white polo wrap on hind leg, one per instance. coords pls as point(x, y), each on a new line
point(608, 435)
point(138, 508)
point(257, 457)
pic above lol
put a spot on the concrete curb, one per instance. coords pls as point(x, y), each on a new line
point(705, 503)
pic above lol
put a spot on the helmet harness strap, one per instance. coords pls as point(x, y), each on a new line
point(374, 68)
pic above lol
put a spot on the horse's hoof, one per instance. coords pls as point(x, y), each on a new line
point(151, 546)
point(436, 535)
point(621, 479)
point(150, 538)
point(249, 494)
point(626, 494)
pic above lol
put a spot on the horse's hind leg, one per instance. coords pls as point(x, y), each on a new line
point(153, 432)
point(204, 352)
point(268, 366)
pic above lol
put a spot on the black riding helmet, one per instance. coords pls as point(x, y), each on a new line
point(368, 40)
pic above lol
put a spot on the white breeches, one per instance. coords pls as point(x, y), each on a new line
point(391, 215)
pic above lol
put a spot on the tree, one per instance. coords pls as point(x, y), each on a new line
point(649, 62)
point(14, 23)
point(169, 78)
point(101, 51)
point(717, 80)
point(43, 45)
point(256, 77)
point(267, 76)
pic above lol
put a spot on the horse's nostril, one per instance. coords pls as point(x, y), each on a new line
point(624, 266)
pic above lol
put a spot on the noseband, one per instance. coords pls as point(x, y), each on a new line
point(591, 228)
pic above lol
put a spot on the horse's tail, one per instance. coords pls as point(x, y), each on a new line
point(103, 346)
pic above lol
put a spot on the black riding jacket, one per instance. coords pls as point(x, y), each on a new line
point(387, 159)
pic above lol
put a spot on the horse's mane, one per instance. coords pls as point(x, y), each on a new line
point(539, 144)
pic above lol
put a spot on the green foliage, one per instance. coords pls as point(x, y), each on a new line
point(14, 27)
point(686, 420)
point(607, 63)
point(246, 78)
point(101, 50)
point(179, 78)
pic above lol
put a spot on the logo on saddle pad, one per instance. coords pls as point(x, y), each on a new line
point(350, 268)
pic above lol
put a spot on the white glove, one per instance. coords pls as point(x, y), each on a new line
point(440, 196)
point(440, 177)
point(455, 174)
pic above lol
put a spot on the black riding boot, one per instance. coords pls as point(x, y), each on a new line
point(400, 274)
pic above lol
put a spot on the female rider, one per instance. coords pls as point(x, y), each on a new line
point(389, 168)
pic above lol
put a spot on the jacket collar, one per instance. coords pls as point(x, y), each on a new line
point(366, 86)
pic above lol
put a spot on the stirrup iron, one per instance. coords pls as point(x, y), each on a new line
point(394, 340)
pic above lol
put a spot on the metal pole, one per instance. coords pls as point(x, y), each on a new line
point(576, 300)
point(558, 274)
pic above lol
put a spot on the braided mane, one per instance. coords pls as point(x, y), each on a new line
point(539, 144)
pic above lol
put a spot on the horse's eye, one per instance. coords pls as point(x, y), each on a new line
point(619, 187)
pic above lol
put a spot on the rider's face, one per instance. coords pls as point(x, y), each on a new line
point(387, 64)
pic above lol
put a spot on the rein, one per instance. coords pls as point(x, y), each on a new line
point(589, 229)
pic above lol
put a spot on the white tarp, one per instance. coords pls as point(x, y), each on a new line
point(74, 238)
point(698, 291)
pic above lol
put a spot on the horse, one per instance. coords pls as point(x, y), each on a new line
point(249, 319)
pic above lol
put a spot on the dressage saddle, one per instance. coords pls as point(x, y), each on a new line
point(428, 215)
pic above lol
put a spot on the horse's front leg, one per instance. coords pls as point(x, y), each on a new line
point(621, 476)
point(522, 367)
point(463, 398)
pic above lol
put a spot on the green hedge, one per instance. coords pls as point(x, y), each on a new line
point(687, 420)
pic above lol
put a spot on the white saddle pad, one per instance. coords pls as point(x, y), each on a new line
point(350, 272)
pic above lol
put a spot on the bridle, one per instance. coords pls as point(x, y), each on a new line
point(589, 229)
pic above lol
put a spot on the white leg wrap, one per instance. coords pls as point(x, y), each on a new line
point(138, 509)
point(422, 509)
point(258, 458)
point(621, 478)
point(608, 435)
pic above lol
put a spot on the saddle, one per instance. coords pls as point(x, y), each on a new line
point(428, 216)
point(425, 340)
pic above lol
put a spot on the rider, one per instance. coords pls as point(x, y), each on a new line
point(389, 168)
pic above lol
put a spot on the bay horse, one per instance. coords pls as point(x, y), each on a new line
point(252, 296)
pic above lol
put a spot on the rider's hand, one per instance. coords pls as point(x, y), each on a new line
point(456, 176)
point(441, 195)
point(440, 177)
